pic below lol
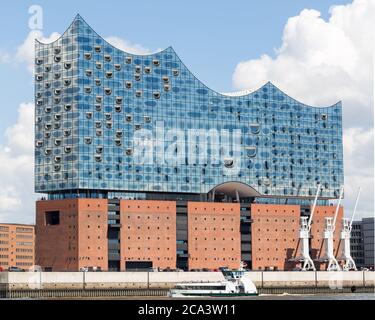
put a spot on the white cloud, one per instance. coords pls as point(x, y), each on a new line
point(8, 199)
point(25, 52)
point(321, 62)
point(20, 136)
point(359, 169)
point(127, 46)
point(16, 170)
point(4, 57)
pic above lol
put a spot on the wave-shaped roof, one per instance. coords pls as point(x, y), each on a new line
point(243, 93)
point(285, 148)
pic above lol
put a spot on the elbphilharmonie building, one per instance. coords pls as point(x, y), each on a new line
point(145, 166)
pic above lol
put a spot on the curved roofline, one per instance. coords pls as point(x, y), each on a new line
point(239, 93)
point(93, 30)
point(243, 93)
point(44, 43)
point(307, 105)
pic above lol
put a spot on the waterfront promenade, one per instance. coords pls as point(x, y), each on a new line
point(142, 284)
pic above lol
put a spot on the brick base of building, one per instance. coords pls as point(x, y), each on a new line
point(73, 234)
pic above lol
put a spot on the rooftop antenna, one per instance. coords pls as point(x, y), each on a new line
point(349, 263)
point(329, 256)
point(304, 235)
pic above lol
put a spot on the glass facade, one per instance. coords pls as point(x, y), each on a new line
point(92, 99)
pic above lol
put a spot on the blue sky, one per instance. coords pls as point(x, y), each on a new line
point(317, 51)
point(210, 36)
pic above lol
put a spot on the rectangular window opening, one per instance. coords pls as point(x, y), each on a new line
point(52, 218)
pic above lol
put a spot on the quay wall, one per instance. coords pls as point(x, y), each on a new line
point(165, 280)
point(329, 279)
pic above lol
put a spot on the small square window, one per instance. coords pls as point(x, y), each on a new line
point(52, 218)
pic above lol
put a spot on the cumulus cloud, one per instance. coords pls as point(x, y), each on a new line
point(25, 52)
point(16, 170)
point(4, 57)
point(321, 62)
point(127, 46)
point(359, 169)
point(20, 135)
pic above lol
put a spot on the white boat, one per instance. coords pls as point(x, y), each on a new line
point(235, 284)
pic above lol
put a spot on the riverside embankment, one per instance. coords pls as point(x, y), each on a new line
point(115, 284)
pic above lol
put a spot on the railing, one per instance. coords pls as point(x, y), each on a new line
point(113, 293)
point(315, 290)
point(81, 293)
point(111, 284)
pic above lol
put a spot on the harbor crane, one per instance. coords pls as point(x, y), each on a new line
point(304, 235)
point(349, 263)
point(330, 225)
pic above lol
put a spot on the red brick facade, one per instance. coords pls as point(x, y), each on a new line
point(274, 236)
point(214, 238)
point(78, 240)
point(148, 232)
